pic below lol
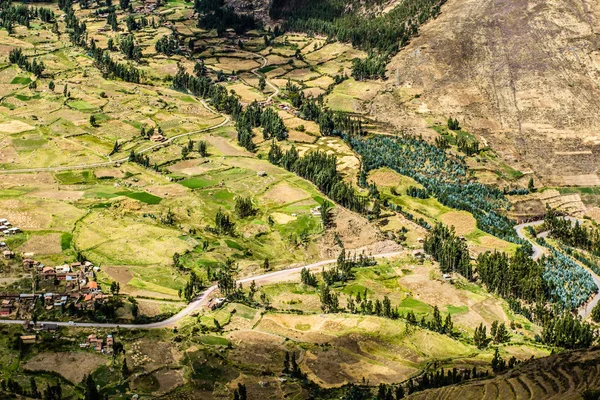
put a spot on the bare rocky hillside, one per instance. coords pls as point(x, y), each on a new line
point(525, 74)
point(258, 8)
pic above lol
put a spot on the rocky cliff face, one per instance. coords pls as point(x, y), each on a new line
point(258, 8)
point(525, 74)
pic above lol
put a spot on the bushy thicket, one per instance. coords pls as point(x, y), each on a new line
point(213, 14)
point(21, 14)
point(449, 250)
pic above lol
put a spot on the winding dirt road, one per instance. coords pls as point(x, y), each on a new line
point(198, 302)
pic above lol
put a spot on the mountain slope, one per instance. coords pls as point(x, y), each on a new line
point(524, 73)
point(561, 376)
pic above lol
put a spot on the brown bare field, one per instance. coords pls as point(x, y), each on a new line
point(15, 127)
point(172, 190)
point(322, 82)
point(73, 366)
point(169, 379)
point(42, 244)
point(582, 180)
point(194, 167)
point(151, 354)
point(109, 173)
point(284, 193)
point(247, 93)
point(119, 274)
point(224, 147)
point(64, 195)
point(387, 178)
point(462, 221)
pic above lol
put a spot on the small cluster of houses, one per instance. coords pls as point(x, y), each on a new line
point(99, 344)
point(79, 288)
point(7, 229)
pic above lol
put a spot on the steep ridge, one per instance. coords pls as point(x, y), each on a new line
point(561, 376)
point(525, 74)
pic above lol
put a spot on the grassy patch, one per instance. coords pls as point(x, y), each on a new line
point(233, 245)
point(213, 340)
point(414, 305)
point(75, 177)
point(65, 241)
point(197, 183)
point(144, 197)
point(21, 80)
point(82, 106)
point(454, 310)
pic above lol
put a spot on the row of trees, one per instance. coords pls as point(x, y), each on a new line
point(528, 285)
point(17, 57)
point(572, 234)
point(321, 169)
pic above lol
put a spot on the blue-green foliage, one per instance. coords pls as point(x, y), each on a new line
point(569, 284)
point(444, 177)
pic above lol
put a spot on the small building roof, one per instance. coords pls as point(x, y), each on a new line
point(92, 285)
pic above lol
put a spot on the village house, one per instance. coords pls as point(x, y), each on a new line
point(215, 303)
point(28, 263)
point(48, 273)
point(8, 254)
point(48, 326)
point(158, 138)
point(92, 287)
point(5, 308)
point(62, 269)
point(28, 339)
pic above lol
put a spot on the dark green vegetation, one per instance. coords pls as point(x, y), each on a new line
point(526, 284)
point(573, 234)
point(321, 169)
point(446, 177)
point(355, 22)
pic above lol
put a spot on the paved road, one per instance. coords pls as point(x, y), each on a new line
point(271, 277)
point(586, 309)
